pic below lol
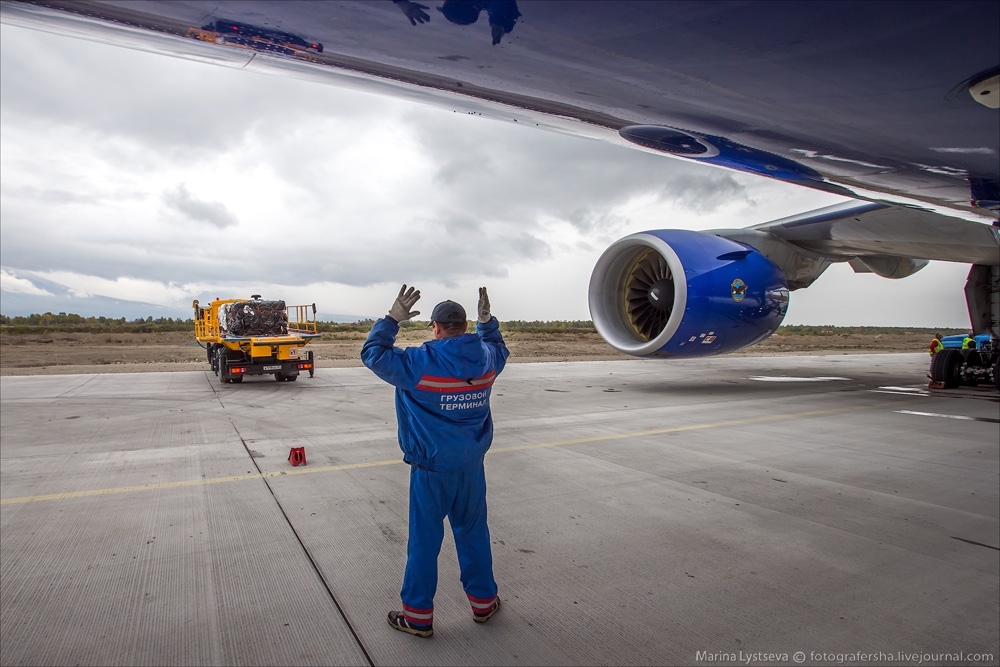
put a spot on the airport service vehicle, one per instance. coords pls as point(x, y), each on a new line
point(256, 337)
point(954, 366)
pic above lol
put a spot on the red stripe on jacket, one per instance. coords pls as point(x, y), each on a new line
point(455, 385)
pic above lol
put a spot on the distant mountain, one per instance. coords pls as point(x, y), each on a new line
point(15, 304)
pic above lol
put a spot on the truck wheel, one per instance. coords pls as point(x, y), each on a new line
point(279, 377)
point(945, 368)
point(291, 378)
point(237, 379)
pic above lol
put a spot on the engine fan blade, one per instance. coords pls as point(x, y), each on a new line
point(649, 289)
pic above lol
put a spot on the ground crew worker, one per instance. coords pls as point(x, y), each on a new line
point(936, 345)
point(969, 342)
point(445, 428)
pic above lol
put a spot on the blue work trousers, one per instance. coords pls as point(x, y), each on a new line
point(460, 496)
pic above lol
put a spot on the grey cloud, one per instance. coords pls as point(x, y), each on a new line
point(587, 220)
point(528, 247)
point(520, 174)
point(191, 112)
point(22, 246)
point(49, 196)
point(214, 213)
point(461, 165)
point(702, 193)
point(462, 226)
point(428, 252)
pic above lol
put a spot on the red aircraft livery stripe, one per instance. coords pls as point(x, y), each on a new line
point(452, 385)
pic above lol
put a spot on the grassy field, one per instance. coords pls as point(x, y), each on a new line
point(51, 346)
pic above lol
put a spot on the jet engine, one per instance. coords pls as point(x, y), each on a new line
point(679, 293)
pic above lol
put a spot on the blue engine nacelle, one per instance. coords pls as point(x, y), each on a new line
point(678, 293)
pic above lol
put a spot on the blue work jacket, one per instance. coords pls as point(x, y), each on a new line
point(442, 392)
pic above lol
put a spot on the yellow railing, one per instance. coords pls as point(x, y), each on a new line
point(302, 321)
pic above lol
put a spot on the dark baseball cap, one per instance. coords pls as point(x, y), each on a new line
point(448, 312)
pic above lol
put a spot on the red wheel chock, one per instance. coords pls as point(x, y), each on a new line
point(297, 456)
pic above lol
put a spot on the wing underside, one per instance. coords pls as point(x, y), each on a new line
point(859, 228)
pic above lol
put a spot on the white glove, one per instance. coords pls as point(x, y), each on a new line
point(484, 306)
point(400, 310)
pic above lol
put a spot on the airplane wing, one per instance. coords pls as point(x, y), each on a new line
point(860, 229)
point(862, 99)
point(892, 104)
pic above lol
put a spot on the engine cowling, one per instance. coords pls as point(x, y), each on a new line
point(679, 293)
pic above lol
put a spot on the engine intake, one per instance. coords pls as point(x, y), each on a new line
point(670, 293)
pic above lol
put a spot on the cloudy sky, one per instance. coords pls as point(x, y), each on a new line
point(139, 177)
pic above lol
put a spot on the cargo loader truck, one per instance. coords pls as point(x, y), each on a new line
point(256, 337)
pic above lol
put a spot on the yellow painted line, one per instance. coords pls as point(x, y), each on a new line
point(191, 482)
point(370, 464)
point(678, 429)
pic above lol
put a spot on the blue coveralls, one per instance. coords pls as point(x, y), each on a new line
point(445, 428)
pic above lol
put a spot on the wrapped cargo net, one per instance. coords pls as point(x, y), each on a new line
point(254, 318)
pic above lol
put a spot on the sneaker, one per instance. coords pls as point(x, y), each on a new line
point(482, 618)
point(398, 621)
